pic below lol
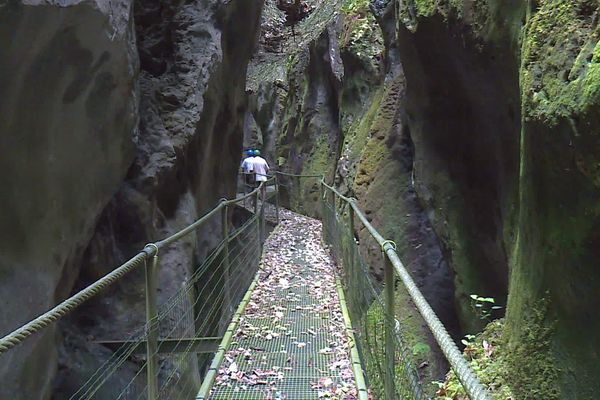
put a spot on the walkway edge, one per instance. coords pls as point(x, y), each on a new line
point(213, 370)
point(359, 377)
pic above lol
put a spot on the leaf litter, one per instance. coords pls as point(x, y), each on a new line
point(291, 341)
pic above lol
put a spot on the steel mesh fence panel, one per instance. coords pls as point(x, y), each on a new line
point(364, 296)
point(196, 316)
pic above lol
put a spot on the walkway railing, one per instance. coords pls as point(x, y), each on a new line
point(387, 361)
point(164, 357)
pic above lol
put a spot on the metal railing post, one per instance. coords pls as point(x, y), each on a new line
point(257, 215)
point(333, 202)
point(263, 228)
point(321, 198)
point(390, 351)
point(352, 274)
point(152, 327)
point(226, 272)
point(277, 199)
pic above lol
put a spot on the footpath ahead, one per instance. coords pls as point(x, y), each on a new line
point(291, 341)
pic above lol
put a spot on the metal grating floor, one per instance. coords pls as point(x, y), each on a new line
point(290, 343)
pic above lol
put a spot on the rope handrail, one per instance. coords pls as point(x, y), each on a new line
point(17, 336)
point(458, 363)
point(298, 175)
point(463, 371)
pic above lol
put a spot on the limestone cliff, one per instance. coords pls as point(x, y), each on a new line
point(68, 119)
point(109, 144)
point(473, 130)
point(338, 108)
point(502, 102)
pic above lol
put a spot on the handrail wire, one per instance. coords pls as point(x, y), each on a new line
point(465, 374)
point(174, 365)
point(463, 371)
point(17, 336)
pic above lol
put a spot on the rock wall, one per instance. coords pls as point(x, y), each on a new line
point(68, 117)
point(376, 167)
point(352, 127)
point(503, 109)
point(104, 156)
point(465, 128)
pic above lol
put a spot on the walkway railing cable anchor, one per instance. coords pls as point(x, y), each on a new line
point(386, 243)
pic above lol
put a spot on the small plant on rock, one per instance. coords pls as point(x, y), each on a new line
point(484, 307)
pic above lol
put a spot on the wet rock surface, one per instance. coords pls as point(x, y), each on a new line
point(122, 124)
point(501, 164)
point(68, 118)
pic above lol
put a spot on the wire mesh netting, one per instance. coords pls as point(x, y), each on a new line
point(190, 326)
point(290, 343)
point(366, 305)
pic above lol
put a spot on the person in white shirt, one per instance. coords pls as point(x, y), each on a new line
point(261, 168)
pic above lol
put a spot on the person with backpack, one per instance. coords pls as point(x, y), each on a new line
point(261, 167)
point(248, 169)
point(261, 170)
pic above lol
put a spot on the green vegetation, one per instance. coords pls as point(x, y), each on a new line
point(561, 61)
point(533, 370)
point(413, 10)
point(360, 34)
point(487, 354)
point(524, 371)
point(425, 8)
point(483, 307)
point(411, 351)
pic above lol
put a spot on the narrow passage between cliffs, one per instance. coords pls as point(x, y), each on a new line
point(291, 341)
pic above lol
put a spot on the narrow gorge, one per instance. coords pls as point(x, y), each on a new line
point(468, 131)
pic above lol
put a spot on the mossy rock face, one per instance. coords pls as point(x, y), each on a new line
point(309, 141)
point(376, 167)
point(558, 241)
point(561, 61)
point(525, 371)
point(520, 95)
point(463, 105)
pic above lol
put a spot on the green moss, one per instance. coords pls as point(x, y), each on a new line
point(560, 76)
point(425, 8)
point(376, 150)
point(320, 161)
point(417, 339)
point(412, 11)
point(525, 371)
point(556, 251)
point(412, 348)
point(374, 153)
point(489, 362)
point(357, 136)
point(533, 371)
point(361, 35)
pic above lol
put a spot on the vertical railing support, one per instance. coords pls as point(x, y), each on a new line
point(152, 326)
point(351, 275)
point(333, 202)
point(227, 273)
point(257, 215)
point(321, 199)
point(277, 199)
point(390, 351)
point(263, 227)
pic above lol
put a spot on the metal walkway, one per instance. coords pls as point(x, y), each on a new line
point(290, 342)
point(242, 327)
